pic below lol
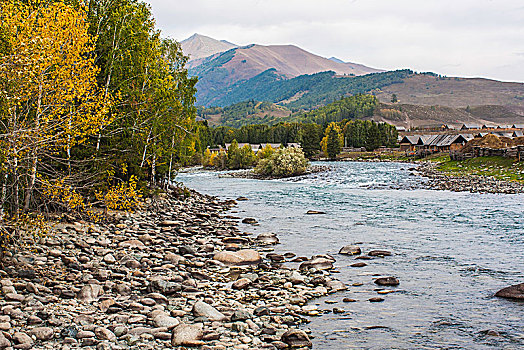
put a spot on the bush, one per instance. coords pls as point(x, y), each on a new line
point(265, 153)
point(283, 162)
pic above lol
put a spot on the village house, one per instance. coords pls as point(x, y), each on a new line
point(257, 147)
point(409, 143)
point(471, 127)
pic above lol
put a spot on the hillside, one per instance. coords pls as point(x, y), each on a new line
point(431, 89)
point(199, 46)
point(406, 115)
point(302, 92)
point(245, 113)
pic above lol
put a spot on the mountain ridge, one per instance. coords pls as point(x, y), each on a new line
point(200, 46)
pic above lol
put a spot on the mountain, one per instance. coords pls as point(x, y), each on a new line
point(220, 64)
point(336, 59)
point(431, 90)
point(299, 80)
point(200, 46)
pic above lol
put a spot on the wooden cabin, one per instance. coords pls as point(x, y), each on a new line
point(409, 143)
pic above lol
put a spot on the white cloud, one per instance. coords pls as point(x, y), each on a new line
point(452, 37)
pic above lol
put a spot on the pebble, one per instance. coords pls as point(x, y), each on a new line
point(159, 278)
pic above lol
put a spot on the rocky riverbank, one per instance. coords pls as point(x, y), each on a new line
point(176, 273)
point(438, 180)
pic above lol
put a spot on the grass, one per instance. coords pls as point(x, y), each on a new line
point(497, 167)
point(500, 168)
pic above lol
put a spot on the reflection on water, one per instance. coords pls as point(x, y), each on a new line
point(452, 252)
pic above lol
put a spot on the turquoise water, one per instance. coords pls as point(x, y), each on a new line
point(452, 252)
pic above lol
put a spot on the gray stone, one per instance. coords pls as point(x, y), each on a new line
point(241, 257)
point(350, 250)
point(515, 292)
point(20, 338)
point(42, 333)
point(268, 238)
point(317, 263)
point(187, 335)
point(4, 342)
point(203, 309)
point(89, 292)
point(104, 334)
point(296, 338)
point(241, 315)
point(387, 281)
point(162, 319)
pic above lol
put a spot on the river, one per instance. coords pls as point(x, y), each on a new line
point(452, 252)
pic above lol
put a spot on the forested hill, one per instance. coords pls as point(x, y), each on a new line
point(361, 107)
point(255, 112)
point(302, 92)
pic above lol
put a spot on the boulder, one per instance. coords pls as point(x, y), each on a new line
point(42, 333)
point(4, 342)
point(174, 258)
point(350, 250)
point(203, 309)
point(387, 281)
point(267, 238)
point(104, 334)
point(241, 257)
point(162, 319)
point(379, 253)
point(515, 292)
point(336, 285)
point(241, 283)
point(241, 315)
point(297, 278)
point(187, 335)
point(132, 243)
point(170, 223)
point(23, 340)
point(89, 292)
point(164, 287)
point(376, 299)
point(296, 338)
point(317, 263)
point(250, 221)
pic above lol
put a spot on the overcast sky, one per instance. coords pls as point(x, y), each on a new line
point(473, 38)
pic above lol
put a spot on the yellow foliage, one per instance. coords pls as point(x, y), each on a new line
point(124, 196)
point(64, 194)
point(265, 152)
point(49, 64)
point(18, 228)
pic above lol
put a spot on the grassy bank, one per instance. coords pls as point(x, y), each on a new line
point(498, 167)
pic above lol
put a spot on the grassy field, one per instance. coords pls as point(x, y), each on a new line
point(497, 167)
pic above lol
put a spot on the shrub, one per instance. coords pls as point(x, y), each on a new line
point(283, 162)
point(265, 153)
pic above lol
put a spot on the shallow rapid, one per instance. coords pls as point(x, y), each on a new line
point(452, 252)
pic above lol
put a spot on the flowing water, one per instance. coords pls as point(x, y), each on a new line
point(452, 252)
